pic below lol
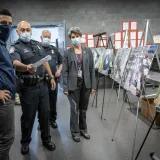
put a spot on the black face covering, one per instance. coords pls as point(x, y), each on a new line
point(5, 31)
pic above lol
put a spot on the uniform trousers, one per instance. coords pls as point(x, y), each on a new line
point(80, 97)
point(6, 128)
point(53, 101)
point(35, 98)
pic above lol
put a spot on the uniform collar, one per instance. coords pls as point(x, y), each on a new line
point(31, 41)
point(48, 47)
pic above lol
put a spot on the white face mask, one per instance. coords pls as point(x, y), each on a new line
point(46, 41)
point(76, 41)
point(25, 37)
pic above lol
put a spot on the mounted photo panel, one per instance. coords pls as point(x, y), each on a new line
point(137, 68)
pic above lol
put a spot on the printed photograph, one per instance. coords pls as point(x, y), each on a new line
point(137, 67)
point(97, 54)
point(105, 62)
point(120, 64)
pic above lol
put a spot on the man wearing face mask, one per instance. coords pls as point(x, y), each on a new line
point(7, 88)
point(34, 93)
point(56, 67)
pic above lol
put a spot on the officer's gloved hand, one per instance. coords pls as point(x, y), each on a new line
point(31, 69)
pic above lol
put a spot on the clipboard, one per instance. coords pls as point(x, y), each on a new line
point(73, 104)
point(42, 61)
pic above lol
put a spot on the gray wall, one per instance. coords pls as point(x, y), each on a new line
point(92, 16)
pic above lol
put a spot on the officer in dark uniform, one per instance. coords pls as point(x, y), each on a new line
point(34, 93)
point(56, 67)
point(7, 88)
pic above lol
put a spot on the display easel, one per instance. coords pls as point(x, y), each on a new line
point(111, 46)
point(148, 29)
point(126, 40)
point(153, 156)
point(100, 38)
point(145, 36)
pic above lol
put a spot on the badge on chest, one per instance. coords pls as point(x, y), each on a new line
point(80, 73)
point(26, 50)
point(52, 51)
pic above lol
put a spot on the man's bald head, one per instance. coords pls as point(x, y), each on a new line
point(46, 34)
point(23, 26)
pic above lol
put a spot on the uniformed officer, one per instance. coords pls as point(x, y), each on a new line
point(56, 67)
point(7, 88)
point(34, 93)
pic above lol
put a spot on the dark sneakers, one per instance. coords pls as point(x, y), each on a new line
point(50, 146)
point(25, 149)
point(53, 124)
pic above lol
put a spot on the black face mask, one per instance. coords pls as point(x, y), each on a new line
point(5, 31)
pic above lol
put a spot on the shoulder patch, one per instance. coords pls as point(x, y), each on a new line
point(12, 49)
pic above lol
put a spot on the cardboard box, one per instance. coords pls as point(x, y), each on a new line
point(148, 109)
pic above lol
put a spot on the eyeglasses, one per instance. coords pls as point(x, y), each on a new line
point(5, 23)
point(25, 29)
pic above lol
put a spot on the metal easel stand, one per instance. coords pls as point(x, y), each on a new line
point(157, 113)
point(110, 99)
point(113, 88)
point(116, 126)
point(146, 30)
point(109, 45)
point(97, 88)
point(138, 106)
point(154, 157)
point(98, 78)
point(125, 94)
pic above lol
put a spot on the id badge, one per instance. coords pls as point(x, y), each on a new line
point(80, 73)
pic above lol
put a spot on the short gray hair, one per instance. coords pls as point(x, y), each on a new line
point(74, 30)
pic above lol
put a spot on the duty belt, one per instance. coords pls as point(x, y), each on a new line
point(32, 79)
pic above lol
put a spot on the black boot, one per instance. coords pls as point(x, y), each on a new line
point(85, 135)
point(76, 137)
point(53, 124)
point(25, 149)
point(50, 146)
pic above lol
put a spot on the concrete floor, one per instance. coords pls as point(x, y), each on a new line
point(100, 147)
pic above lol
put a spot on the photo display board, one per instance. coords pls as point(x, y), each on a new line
point(97, 55)
point(120, 64)
point(137, 67)
point(105, 61)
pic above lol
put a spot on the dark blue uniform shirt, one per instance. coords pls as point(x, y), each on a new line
point(56, 57)
point(7, 73)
